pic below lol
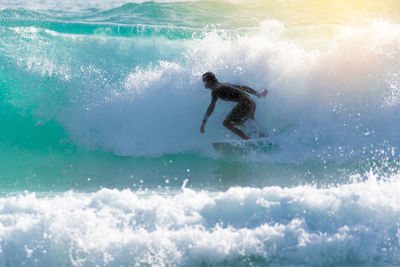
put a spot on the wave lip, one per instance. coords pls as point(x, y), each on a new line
point(339, 225)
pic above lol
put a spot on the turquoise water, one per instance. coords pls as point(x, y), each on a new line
point(102, 162)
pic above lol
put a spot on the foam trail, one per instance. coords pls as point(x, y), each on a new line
point(346, 224)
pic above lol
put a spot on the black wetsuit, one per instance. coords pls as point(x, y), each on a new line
point(243, 110)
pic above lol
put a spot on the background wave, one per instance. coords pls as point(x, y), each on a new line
point(135, 89)
point(101, 84)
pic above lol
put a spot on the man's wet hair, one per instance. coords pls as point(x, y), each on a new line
point(209, 77)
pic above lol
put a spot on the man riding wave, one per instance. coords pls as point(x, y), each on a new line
point(243, 110)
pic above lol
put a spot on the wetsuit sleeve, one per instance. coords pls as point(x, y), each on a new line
point(248, 90)
point(211, 106)
point(209, 111)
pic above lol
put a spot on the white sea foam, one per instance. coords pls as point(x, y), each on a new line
point(347, 224)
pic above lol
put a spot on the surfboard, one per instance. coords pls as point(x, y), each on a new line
point(243, 146)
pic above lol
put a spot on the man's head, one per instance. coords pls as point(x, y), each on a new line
point(209, 79)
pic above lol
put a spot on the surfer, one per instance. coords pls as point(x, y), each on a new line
point(244, 109)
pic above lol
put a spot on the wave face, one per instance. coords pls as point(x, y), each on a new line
point(101, 104)
point(127, 80)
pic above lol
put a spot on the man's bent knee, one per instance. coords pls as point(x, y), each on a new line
point(227, 123)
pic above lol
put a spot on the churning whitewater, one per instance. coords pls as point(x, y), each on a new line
point(102, 162)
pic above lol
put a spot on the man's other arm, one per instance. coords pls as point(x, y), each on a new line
point(252, 91)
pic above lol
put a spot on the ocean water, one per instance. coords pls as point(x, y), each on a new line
point(102, 162)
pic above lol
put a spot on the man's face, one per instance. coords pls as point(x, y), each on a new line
point(205, 82)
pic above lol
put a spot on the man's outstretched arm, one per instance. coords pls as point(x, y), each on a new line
point(252, 91)
point(208, 113)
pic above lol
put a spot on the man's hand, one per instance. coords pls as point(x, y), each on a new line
point(202, 127)
point(263, 93)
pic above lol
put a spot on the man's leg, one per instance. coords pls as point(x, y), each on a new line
point(232, 127)
point(238, 115)
point(252, 122)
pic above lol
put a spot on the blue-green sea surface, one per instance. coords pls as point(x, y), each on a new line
point(102, 162)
